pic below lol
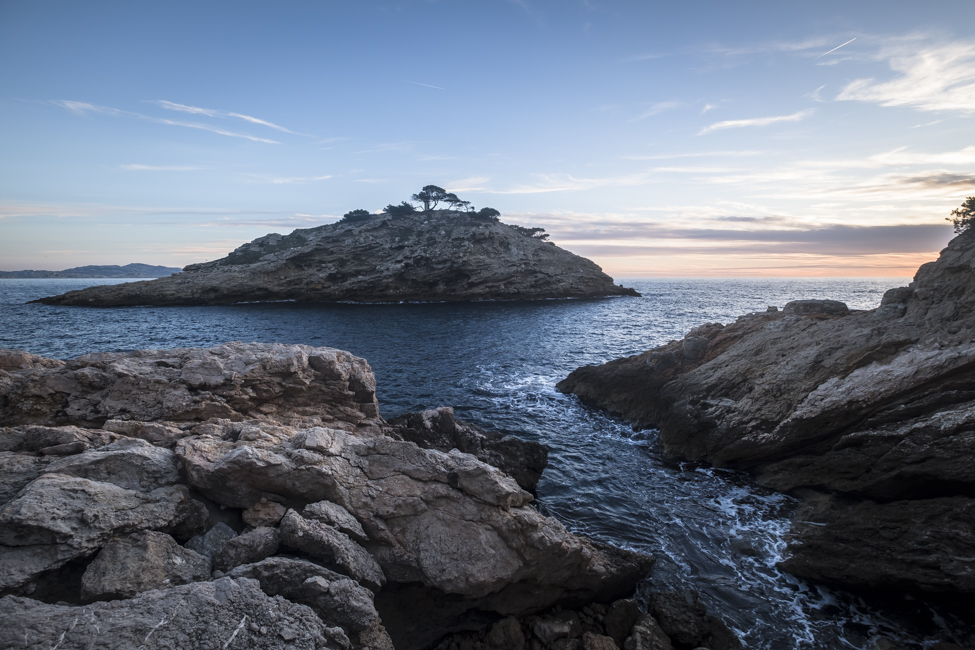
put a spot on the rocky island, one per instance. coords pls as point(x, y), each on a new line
point(251, 495)
point(97, 271)
point(400, 255)
point(867, 416)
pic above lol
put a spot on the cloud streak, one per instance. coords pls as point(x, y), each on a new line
point(757, 121)
point(209, 112)
point(836, 48)
point(155, 168)
point(933, 78)
point(83, 108)
point(277, 180)
point(656, 109)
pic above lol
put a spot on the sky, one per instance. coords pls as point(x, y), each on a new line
point(659, 139)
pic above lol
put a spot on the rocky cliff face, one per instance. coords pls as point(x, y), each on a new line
point(870, 416)
point(252, 495)
point(434, 256)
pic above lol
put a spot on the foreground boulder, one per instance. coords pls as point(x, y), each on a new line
point(431, 256)
point(221, 614)
point(268, 469)
point(876, 408)
point(129, 565)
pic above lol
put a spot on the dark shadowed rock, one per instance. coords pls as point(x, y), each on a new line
point(338, 600)
point(506, 634)
point(926, 544)
point(131, 564)
point(439, 256)
point(252, 546)
point(647, 635)
point(620, 618)
point(210, 543)
point(686, 623)
point(205, 616)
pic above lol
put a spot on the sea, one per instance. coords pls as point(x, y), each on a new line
point(496, 364)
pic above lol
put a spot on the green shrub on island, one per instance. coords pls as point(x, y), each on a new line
point(963, 217)
point(355, 216)
point(488, 214)
point(535, 233)
point(404, 209)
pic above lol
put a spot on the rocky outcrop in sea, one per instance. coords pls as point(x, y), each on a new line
point(251, 495)
point(438, 255)
point(868, 416)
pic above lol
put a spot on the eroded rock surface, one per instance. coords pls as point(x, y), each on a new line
point(875, 407)
point(131, 564)
point(435, 256)
point(202, 615)
point(130, 474)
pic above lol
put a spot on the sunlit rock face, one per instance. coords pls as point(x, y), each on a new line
point(433, 256)
point(868, 415)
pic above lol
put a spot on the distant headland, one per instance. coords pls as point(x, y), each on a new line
point(98, 271)
point(403, 254)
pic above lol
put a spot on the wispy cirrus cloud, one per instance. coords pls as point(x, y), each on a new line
point(698, 154)
point(757, 121)
point(209, 112)
point(475, 184)
point(288, 180)
point(83, 108)
point(656, 109)
point(417, 83)
point(569, 183)
point(158, 168)
point(930, 77)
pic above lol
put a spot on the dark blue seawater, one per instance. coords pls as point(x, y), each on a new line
point(497, 364)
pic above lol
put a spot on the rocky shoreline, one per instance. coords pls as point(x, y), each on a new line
point(252, 495)
point(867, 416)
point(438, 255)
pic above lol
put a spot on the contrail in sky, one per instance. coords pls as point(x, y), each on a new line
point(437, 87)
point(837, 47)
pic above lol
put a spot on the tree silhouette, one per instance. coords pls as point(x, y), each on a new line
point(430, 196)
point(456, 204)
point(963, 217)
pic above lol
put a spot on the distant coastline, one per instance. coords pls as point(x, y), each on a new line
point(96, 271)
